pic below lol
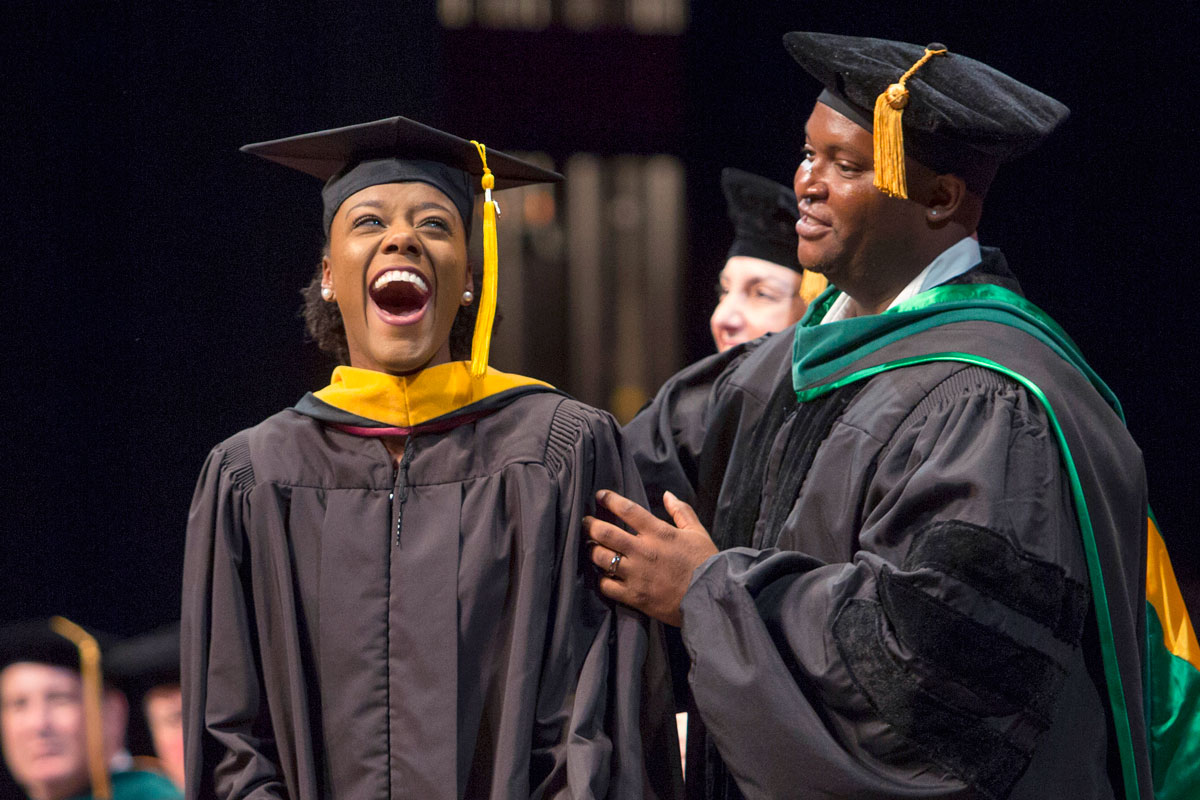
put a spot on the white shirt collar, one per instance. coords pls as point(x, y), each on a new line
point(949, 264)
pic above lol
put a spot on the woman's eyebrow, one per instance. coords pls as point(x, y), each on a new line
point(428, 204)
point(366, 203)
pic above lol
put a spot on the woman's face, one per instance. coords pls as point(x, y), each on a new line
point(397, 264)
point(756, 297)
point(164, 716)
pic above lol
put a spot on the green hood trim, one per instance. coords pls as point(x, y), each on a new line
point(824, 358)
point(1112, 674)
point(822, 352)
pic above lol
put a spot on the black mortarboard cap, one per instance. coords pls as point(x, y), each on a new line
point(142, 662)
point(396, 150)
point(962, 116)
point(764, 215)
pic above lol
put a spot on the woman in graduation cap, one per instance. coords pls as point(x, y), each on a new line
point(384, 589)
point(762, 288)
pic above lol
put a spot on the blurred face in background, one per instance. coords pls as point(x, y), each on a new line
point(164, 715)
point(42, 729)
point(754, 297)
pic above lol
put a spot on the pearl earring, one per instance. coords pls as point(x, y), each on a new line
point(327, 293)
point(467, 297)
point(933, 213)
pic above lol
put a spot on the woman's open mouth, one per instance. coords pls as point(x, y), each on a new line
point(400, 296)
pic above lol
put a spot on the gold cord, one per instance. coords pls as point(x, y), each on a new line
point(93, 689)
point(890, 175)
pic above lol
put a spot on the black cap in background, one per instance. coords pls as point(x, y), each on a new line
point(764, 215)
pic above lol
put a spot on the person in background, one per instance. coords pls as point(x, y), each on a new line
point(147, 668)
point(61, 726)
point(762, 287)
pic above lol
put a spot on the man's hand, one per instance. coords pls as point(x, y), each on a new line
point(652, 570)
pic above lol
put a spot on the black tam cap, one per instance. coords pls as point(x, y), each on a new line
point(961, 116)
point(38, 641)
point(764, 215)
point(397, 150)
point(59, 642)
point(140, 663)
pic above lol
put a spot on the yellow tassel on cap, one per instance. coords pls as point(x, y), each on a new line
point(890, 177)
point(481, 344)
point(93, 689)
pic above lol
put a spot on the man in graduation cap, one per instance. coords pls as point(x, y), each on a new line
point(762, 288)
point(926, 575)
point(60, 725)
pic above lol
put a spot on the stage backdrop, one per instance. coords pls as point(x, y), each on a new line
point(152, 270)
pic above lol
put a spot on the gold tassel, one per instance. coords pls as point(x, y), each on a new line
point(481, 343)
point(890, 177)
point(93, 689)
point(811, 285)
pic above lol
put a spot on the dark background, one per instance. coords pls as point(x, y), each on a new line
point(151, 274)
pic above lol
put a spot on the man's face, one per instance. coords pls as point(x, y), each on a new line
point(164, 714)
point(849, 230)
point(42, 729)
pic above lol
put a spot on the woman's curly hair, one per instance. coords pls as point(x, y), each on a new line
point(325, 326)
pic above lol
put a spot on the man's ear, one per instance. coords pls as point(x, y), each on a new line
point(946, 197)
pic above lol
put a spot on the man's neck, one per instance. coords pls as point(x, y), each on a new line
point(856, 309)
point(866, 298)
point(949, 263)
point(878, 290)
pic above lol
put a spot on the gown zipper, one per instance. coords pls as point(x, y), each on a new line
point(399, 492)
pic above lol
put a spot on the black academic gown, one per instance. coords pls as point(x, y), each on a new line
point(356, 630)
point(909, 616)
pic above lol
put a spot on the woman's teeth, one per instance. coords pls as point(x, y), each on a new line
point(407, 276)
point(400, 293)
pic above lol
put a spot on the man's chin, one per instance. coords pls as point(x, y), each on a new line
point(818, 261)
point(50, 779)
point(819, 267)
